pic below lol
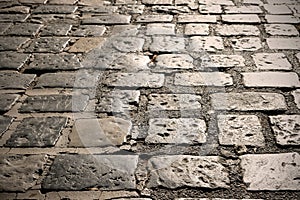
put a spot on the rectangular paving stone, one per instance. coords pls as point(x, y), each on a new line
point(173, 61)
point(286, 129)
point(33, 1)
point(240, 130)
point(282, 19)
point(86, 44)
point(126, 30)
point(249, 9)
point(237, 30)
point(160, 29)
point(187, 171)
point(13, 17)
point(56, 30)
point(112, 19)
point(271, 61)
point(16, 9)
point(23, 29)
point(64, 2)
point(160, 102)
point(210, 9)
point(37, 132)
point(99, 132)
point(81, 172)
point(284, 43)
point(12, 43)
point(99, 9)
point(253, 2)
point(54, 62)
point(176, 131)
point(20, 172)
point(246, 44)
point(171, 9)
point(125, 2)
point(128, 44)
point(157, 2)
point(197, 19)
point(54, 9)
point(241, 18)
point(5, 122)
point(196, 29)
point(88, 30)
point(205, 43)
point(93, 3)
point(141, 79)
point(277, 9)
point(12, 60)
point(4, 26)
point(167, 44)
point(271, 79)
point(48, 45)
point(224, 61)
point(272, 172)
point(282, 2)
point(296, 95)
point(248, 101)
point(203, 79)
point(154, 18)
point(217, 2)
point(54, 103)
point(15, 80)
point(7, 101)
point(281, 29)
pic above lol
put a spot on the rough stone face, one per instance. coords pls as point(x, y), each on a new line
point(196, 29)
point(154, 18)
point(197, 19)
point(296, 95)
point(23, 29)
point(125, 30)
point(78, 172)
point(56, 30)
point(237, 30)
point(99, 9)
point(277, 9)
point(12, 60)
point(248, 101)
point(167, 44)
point(15, 80)
point(11, 43)
point(48, 45)
point(99, 132)
point(19, 172)
point(240, 130)
point(37, 132)
point(128, 44)
point(5, 121)
point(281, 29)
point(271, 171)
point(174, 61)
point(284, 43)
point(89, 30)
point(224, 61)
point(54, 9)
point(203, 79)
point(84, 45)
point(178, 131)
point(157, 2)
point(271, 61)
point(107, 19)
point(241, 18)
point(7, 101)
point(130, 62)
point(246, 44)
point(206, 43)
point(191, 171)
point(141, 79)
point(286, 129)
point(173, 102)
point(13, 17)
point(242, 9)
point(160, 29)
point(282, 19)
point(217, 2)
point(271, 79)
point(4, 27)
point(171, 9)
point(210, 9)
point(55, 103)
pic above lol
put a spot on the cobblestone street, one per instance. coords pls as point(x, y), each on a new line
point(149, 99)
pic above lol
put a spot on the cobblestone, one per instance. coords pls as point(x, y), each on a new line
point(86, 44)
point(7, 101)
point(206, 43)
point(11, 43)
point(197, 19)
point(281, 29)
point(51, 9)
point(160, 29)
point(154, 18)
point(203, 79)
point(12, 60)
point(246, 44)
point(237, 30)
point(47, 45)
point(271, 61)
point(167, 44)
point(4, 123)
point(210, 9)
point(13, 17)
point(89, 30)
point(243, 10)
point(107, 19)
point(15, 80)
point(174, 61)
point(56, 29)
point(217, 2)
point(23, 29)
point(224, 61)
point(282, 19)
point(296, 95)
point(196, 29)
point(283, 43)
point(241, 18)
point(277, 9)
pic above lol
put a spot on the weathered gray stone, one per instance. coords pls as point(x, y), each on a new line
point(33, 1)
point(217, 2)
point(237, 30)
point(196, 29)
point(23, 29)
point(203, 79)
point(157, 2)
point(277, 9)
point(296, 95)
point(125, 2)
point(93, 3)
point(55, 103)
point(140, 79)
point(54, 9)
point(13, 17)
point(11, 43)
point(281, 29)
point(15, 80)
point(286, 129)
point(158, 102)
point(224, 61)
point(99, 9)
point(154, 18)
point(4, 27)
point(210, 9)
point(60, 2)
point(271, 171)
point(130, 62)
point(56, 30)
point(160, 29)
point(178, 131)
point(192, 171)
point(248, 101)
point(78, 172)
point(89, 30)
point(171, 9)
point(125, 30)
point(242, 9)
point(99, 132)
point(48, 44)
point(37, 132)
point(271, 61)
point(5, 121)
point(173, 62)
point(241, 18)
point(284, 43)
point(16, 9)
point(7, 101)
point(128, 44)
point(197, 19)
point(282, 19)
point(167, 44)
point(19, 172)
point(12, 60)
point(107, 19)
point(240, 130)
point(246, 44)
point(134, 9)
point(206, 43)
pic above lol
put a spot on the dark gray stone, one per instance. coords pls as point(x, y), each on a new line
point(89, 30)
point(54, 9)
point(12, 60)
point(4, 123)
point(23, 29)
point(11, 43)
point(48, 44)
point(13, 17)
point(56, 29)
point(16, 9)
point(7, 101)
point(15, 80)
point(37, 132)
point(107, 19)
point(4, 27)
point(99, 9)
point(78, 172)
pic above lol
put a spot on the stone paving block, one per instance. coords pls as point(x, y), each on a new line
point(11, 43)
point(284, 43)
point(93, 3)
point(76, 195)
point(15, 80)
point(246, 44)
point(210, 9)
point(158, 102)
point(125, 30)
point(298, 56)
point(224, 61)
point(134, 9)
point(294, 8)
point(296, 95)
point(277, 9)
point(196, 29)
point(241, 18)
point(281, 29)
point(78, 172)
point(13, 17)
point(60, 2)
point(5, 121)
point(167, 44)
point(282, 2)
point(248, 101)
point(271, 61)
point(176, 131)
point(174, 61)
point(125, 2)
point(282, 19)
point(112, 19)
point(253, 2)
point(205, 43)
point(4, 27)
point(99, 132)
point(37, 132)
point(240, 130)
point(128, 44)
point(48, 44)
point(33, 1)
point(8, 196)
point(242, 9)
point(20, 172)
point(157, 2)
point(183, 170)
point(271, 171)
point(237, 30)
point(56, 30)
point(160, 29)
point(7, 101)
point(54, 9)
point(137, 80)
point(286, 129)
point(130, 62)
point(16, 9)
point(271, 79)
point(79, 79)
point(88, 30)
point(154, 18)
point(23, 29)
point(217, 2)
point(203, 79)
point(55, 103)
point(171, 9)
point(86, 44)
point(31, 194)
point(12, 60)
point(54, 62)
point(99, 9)
point(197, 19)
